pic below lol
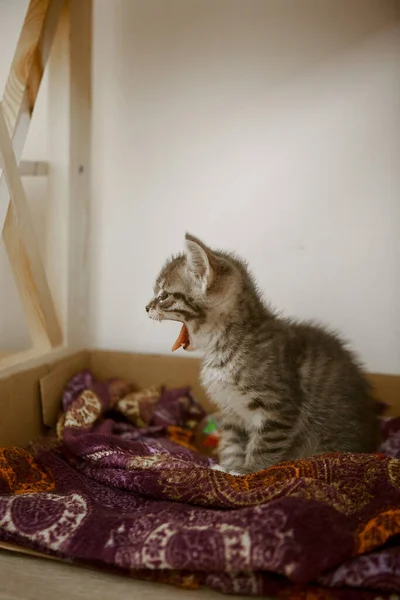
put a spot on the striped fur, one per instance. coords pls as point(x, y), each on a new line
point(286, 390)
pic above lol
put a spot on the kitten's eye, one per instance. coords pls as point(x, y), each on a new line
point(163, 296)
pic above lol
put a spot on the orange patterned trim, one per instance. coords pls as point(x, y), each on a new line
point(378, 530)
point(22, 473)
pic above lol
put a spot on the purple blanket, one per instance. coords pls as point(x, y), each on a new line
point(124, 488)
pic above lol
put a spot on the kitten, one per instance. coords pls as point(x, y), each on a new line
point(286, 390)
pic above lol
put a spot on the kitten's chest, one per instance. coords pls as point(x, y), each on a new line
point(220, 386)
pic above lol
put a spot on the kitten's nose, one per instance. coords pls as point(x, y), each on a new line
point(150, 305)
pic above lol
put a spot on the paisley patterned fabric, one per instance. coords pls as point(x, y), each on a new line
point(123, 486)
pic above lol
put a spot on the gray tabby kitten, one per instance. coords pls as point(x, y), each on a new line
point(286, 390)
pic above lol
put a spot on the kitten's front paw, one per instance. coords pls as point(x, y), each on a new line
point(219, 468)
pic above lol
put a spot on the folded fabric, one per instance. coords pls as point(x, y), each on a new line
point(123, 487)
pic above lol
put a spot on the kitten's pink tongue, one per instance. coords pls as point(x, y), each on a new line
point(182, 339)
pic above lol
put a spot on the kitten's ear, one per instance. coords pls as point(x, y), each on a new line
point(199, 260)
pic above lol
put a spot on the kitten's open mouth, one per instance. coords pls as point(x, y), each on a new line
point(182, 339)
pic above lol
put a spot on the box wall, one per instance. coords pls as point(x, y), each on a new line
point(30, 399)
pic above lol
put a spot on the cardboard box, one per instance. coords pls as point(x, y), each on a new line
point(30, 398)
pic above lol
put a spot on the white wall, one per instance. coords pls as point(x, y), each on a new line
point(271, 127)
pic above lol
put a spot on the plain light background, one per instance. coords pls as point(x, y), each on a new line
point(270, 127)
